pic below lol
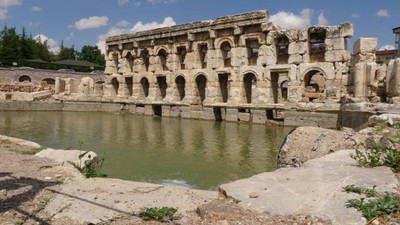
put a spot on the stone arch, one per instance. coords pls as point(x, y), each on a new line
point(226, 52)
point(145, 86)
point(284, 89)
point(314, 81)
point(249, 80)
point(145, 55)
point(49, 81)
point(24, 78)
point(162, 54)
point(115, 85)
point(180, 83)
point(223, 40)
point(129, 61)
point(201, 87)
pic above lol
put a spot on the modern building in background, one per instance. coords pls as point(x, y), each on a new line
point(384, 56)
point(396, 31)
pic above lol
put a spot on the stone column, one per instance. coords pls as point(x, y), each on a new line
point(359, 80)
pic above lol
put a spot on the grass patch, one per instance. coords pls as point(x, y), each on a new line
point(164, 213)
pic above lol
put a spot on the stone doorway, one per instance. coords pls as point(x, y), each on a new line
point(115, 85)
point(223, 85)
point(249, 80)
point(314, 85)
point(180, 86)
point(129, 84)
point(145, 87)
point(162, 85)
point(201, 84)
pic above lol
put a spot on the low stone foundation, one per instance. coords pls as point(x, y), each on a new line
point(333, 117)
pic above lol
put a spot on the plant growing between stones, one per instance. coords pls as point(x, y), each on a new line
point(381, 206)
point(381, 154)
point(90, 167)
point(154, 213)
point(369, 192)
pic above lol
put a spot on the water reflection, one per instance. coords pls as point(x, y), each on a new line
point(201, 154)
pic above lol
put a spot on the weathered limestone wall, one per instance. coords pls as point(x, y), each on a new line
point(234, 68)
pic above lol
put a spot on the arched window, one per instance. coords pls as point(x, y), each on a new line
point(145, 55)
point(180, 86)
point(226, 53)
point(25, 78)
point(115, 85)
point(49, 81)
point(145, 87)
point(284, 90)
point(249, 80)
point(129, 60)
point(162, 55)
point(201, 84)
point(314, 84)
point(202, 48)
point(181, 55)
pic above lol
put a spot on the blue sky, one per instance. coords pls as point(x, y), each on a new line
point(88, 22)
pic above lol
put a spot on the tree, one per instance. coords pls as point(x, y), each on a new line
point(26, 46)
point(67, 53)
point(92, 54)
point(9, 46)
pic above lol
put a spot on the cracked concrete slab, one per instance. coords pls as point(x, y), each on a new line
point(316, 188)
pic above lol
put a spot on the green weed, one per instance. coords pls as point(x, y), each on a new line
point(379, 207)
point(369, 192)
point(158, 213)
point(380, 155)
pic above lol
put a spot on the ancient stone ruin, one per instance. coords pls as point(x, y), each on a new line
point(240, 68)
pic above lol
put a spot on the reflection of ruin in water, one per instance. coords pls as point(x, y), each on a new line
point(202, 153)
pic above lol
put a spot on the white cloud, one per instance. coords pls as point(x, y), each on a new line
point(386, 47)
point(383, 13)
point(91, 22)
point(36, 9)
point(3, 14)
point(154, 2)
point(123, 2)
point(322, 20)
point(4, 4)
point(8, 3)
point(139, 26)
point(51, 43)
point(34, 24)
point(355, 15)
point(122, 23)
point(69, 37)
point(289, 20)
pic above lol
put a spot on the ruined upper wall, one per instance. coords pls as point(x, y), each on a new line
point(238, 20)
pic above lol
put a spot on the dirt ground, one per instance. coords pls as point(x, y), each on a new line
point(28, 183)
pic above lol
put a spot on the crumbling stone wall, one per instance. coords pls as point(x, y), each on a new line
point(241, 61)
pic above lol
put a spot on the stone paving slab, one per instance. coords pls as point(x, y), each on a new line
point(316, 188)
point(98, 199)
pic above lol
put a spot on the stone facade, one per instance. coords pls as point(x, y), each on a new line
point(236, 68)
point(239, 68)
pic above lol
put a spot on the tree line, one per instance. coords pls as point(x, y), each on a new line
point(20, 49)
